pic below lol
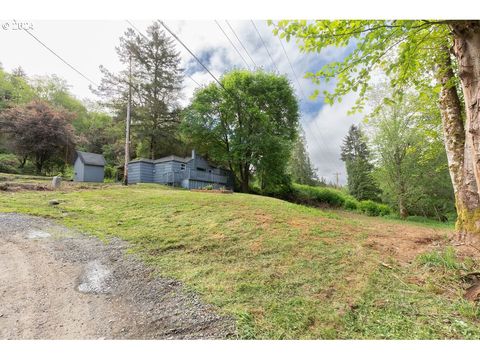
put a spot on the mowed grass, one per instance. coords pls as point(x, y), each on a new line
point(284, 271)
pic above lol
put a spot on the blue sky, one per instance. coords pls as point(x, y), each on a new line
point(89, 44)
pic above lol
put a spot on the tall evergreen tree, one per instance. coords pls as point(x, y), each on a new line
point(156, 83)
point(356, 156)
point(300, 167)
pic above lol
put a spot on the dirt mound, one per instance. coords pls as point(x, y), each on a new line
point(16, 186)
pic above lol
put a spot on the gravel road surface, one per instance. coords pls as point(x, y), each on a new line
point(56, 283)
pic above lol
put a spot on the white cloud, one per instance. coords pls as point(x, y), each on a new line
point(324, 132)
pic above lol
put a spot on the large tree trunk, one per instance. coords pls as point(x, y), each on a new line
point(462, 140)
point(244, 177)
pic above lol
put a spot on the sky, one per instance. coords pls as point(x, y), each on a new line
point(88, 44)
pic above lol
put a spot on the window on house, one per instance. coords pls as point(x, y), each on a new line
point(201, 169)
point(183, 166)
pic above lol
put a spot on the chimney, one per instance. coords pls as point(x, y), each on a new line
point(193, 154)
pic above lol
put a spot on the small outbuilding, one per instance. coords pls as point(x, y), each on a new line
point(89, 167)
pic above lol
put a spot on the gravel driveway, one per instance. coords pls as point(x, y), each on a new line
point(56, 283)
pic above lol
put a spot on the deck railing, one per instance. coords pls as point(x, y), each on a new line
point(178, 176)
point(205, 176)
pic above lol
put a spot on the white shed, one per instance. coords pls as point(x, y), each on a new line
point(89, 167)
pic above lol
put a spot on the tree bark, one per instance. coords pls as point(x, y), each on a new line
point(245, 174)
point(462, 139)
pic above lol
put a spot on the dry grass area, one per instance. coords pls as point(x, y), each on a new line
point(285, 271)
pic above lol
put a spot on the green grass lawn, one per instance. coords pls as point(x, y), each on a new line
point(284, 271)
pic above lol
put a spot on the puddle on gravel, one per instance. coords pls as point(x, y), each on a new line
point(35, 234)
point(94, 278)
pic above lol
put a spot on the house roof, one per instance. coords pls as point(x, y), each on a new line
point(164, 159)
point(173, 158)
point(91, 158)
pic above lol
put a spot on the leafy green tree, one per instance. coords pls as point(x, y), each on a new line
point(156, 79)
point(56, 91)
point(415, 53)
point(355, 154)
point(248, 124)
point(300, 166)
point(14, 89)
point(413, 171)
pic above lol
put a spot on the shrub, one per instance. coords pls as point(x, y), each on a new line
point(9, 163)
point(351, 204)
point(312, 195)
point(110, 172)
point(369, 207)
point(208, 187)
point(372, 208)
point(384, 209)
point(320, 194)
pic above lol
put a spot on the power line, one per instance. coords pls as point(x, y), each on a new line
point(59, 57)
point(231, 43)
point(265, 46)
point(303, 94)
point(146, 38)
point(291, 67)
point(191, 53)
point(244, 48)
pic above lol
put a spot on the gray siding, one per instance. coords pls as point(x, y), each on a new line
point(92, 173)
point(171, 172)
point(140, 172)
point(78, 170)
point(178, 173)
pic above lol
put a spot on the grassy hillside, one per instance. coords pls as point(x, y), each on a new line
point(283, 270)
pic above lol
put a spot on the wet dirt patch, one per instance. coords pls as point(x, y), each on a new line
point(95, 279)
point(38, 234)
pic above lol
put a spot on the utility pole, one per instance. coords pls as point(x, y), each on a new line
point(127, 125)
point(337, 174)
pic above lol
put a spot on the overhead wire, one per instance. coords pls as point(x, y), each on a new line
point(265, 46)
point(304, 95)
point(241, 43)
point(59, 57)
point(233, 45)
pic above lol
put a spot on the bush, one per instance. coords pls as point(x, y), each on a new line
point(9, 163)
point(314, 195)
point(369, 207)
point(110, 172)
point(323, 195)
point(384, 209)
point(372, 208)
point(351, 204)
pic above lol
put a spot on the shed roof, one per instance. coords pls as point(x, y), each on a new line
point(91, 158)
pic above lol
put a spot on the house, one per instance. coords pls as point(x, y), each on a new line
point(190, 173)
point(89, 167)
